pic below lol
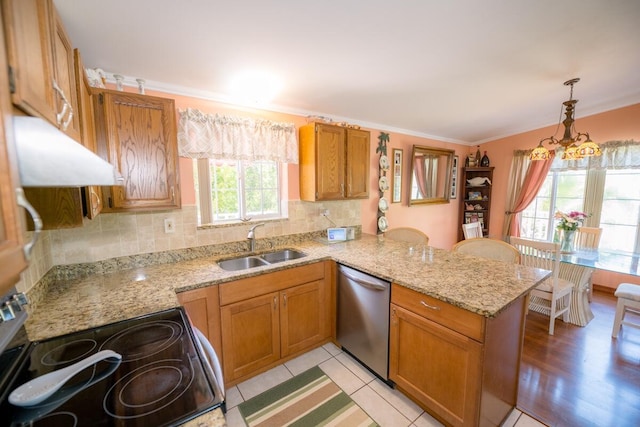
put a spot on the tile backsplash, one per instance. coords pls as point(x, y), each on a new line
point(124, 234)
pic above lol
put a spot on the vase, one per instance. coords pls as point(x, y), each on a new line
point(566, 243)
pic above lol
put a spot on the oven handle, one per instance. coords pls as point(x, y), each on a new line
point(212, 358)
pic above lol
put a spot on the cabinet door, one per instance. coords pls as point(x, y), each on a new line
point(92, 196)
point(304, 316)
point(202, 306)
point(440, 368)
point(139, 133)
point(330, 162)
point(65, 78)
point(250, 335)
point(357, 163)
point(12, 257)
point(28, 31)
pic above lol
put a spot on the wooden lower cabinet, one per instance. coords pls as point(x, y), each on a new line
point(465, 373)
point(257, 333)
point(251, 335)
point(304, 317)
point(203, 307)
point(272, 317)
point(258, 322)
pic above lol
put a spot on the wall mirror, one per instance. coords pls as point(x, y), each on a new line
point(430, 175)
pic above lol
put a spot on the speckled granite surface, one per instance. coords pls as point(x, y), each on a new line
point(478, 285)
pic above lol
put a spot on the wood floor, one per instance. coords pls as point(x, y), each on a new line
point(581, 376)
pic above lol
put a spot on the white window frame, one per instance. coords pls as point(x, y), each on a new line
point(202, 178)
point(553, 207)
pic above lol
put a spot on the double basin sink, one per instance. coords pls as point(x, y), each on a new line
point(250, 261)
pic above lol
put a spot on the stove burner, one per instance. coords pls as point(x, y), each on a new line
point(144, 340)
point(62, 418)
point(148, 389)
point(68, 352)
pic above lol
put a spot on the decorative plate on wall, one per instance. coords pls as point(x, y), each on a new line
point(384, 162)
point(383, 224)
point(383, 183)
point(383, 205)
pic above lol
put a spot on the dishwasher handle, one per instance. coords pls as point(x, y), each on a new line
point(363, 282)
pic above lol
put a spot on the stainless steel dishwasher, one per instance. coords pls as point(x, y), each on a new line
point(363, 318)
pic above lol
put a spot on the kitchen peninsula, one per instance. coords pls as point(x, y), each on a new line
point(484, 290)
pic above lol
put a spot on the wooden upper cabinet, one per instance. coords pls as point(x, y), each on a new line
point(12, 257)
point(334, 162)
point(138, 135)
point(41, 63)
point(63, 58)
point(357, 171)
point(92, 194)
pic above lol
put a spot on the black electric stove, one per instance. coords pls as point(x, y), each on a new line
point(162, 379)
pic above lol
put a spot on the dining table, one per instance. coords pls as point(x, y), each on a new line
point(578, 267)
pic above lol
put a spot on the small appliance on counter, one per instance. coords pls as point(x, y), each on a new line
point(340, 234)
point(162, 379)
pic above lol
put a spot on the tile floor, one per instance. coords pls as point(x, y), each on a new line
point(387, 407)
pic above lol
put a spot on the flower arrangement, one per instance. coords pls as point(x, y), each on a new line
point(570, 221)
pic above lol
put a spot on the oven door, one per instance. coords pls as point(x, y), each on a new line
point(211, 361)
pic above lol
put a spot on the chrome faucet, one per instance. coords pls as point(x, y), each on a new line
point(252, 237)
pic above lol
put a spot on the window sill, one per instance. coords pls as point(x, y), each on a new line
point(236, 223)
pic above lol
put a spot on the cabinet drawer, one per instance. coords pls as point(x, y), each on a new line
point(250, 287)
point(457, 319)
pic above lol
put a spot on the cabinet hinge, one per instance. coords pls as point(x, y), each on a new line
point(12, 81)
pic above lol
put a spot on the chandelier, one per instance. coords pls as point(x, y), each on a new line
point(574, 147)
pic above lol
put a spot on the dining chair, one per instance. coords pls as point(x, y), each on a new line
point(588, 238)
point(407, 234)
point(488, 248)
point(553, 296)
point(472, 230)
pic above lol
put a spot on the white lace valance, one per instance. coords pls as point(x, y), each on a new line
point(615, 155)
point(203, 135)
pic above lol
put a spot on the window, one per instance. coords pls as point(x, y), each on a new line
point(561, 191)
point(233, 190)
point(566, 191)
point(621, 211)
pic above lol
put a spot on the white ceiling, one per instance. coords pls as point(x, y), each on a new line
point(462, 71)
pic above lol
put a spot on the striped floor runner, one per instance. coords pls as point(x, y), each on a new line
point(308, 399)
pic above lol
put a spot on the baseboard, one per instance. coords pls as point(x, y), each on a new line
point(605, 289)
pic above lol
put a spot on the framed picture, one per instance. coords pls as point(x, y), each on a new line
point(454, 178)
point(475, 195)
point(396, 193)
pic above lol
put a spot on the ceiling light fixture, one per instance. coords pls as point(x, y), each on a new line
point(569, 141)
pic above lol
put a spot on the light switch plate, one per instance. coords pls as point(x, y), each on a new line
point(169, 225)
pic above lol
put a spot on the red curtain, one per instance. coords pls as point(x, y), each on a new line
point(536, 174)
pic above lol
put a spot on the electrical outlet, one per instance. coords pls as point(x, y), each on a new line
point(324, 212)
point(169, 225)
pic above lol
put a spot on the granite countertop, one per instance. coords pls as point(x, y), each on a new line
point(482, 286)
point(479, 285)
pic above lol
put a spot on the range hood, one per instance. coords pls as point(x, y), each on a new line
point(47, 157)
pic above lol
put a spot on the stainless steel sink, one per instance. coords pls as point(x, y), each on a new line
point(242, 263)
point(282, 255)
point(251, 261)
